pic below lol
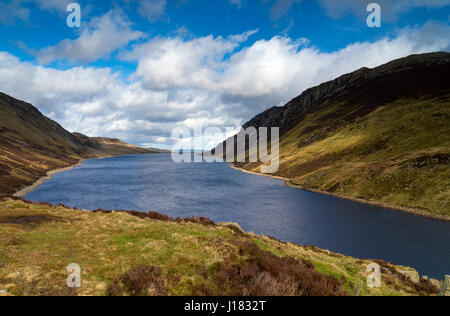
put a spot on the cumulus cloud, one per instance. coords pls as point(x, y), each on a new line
point(166, 63)
point(96, 102)
point(98, 39)
point(281, 67)
point(270, 70)
point(209, 81)
point(337, 9)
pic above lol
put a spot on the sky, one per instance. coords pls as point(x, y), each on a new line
point(138, 69)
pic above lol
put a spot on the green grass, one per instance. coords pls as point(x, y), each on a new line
point(374, 157)
point(107, 246)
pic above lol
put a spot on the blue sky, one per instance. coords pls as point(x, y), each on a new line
point(137, 69)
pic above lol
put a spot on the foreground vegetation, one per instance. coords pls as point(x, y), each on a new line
point(130, 253)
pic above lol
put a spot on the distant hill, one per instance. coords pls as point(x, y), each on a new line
point(379, 134)
point(32, 144)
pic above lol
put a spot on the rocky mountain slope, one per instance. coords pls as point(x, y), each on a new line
point(32, 144)
point(379, 134)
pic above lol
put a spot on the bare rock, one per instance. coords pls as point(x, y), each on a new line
point(411, 274)
point(446, 286)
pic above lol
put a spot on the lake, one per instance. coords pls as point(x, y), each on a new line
point(259, 204)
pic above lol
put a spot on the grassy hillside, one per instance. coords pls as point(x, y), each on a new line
point(32, 144)
point(385, 139)
point(137, 254)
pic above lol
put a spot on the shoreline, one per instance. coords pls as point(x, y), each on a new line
point(288, 183)
point(24, 191)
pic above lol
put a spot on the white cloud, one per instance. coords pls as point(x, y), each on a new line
point(212, 81)
point(269, 71)
point(280, 67)
point(166, 63)
point(99, 39)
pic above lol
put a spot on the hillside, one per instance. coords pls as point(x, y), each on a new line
point(32, 144)
point(133, 253)
point(380, 135)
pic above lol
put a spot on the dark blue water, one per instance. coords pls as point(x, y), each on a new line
point(259, 204)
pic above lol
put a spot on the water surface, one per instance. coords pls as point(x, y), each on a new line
point(259, 204)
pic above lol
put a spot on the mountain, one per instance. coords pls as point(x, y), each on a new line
point(381, 135)
point(32, 144)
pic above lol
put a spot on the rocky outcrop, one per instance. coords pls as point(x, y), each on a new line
point(446, 286)
point(377, 135)
point(85, 141)
point(413, 275)
point(362, 91)
point(282, 116)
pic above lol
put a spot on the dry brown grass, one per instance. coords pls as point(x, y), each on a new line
point(262, 273)
point(142, 280)
point(124, 253)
